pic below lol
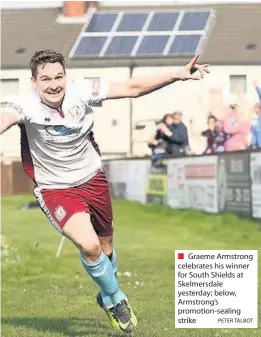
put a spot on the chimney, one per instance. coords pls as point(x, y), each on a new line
point(76, 9)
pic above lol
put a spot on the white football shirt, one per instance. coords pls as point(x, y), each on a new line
point(57, 148)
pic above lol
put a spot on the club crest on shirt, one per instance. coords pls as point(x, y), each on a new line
point(59, 213)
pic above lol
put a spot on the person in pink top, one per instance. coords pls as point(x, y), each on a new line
point(238, 128)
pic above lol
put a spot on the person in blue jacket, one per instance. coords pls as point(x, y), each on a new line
point(256, 123)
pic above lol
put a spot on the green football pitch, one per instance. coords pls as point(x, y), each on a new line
point(44, 296)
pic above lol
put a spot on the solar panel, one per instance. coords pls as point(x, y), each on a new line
point(90, 46)
point(194, 21)
point(153, 45)
point(144, 33)
point(163, 22)
point(121, 45)
point(132, 22)
point(101, 22)
point(185, 44)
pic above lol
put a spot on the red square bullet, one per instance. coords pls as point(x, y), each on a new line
point(180, 256)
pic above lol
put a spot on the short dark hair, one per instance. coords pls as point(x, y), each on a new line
point(42, 57)
point(177, 113)
point(210, 116)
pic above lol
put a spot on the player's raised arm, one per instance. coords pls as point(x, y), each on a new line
point(136, 87)
point(7, 120)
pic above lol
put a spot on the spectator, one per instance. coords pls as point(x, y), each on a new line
point(216, 137)
point(158, 142)
point(256, 128)
point(177, 136)
point(256, 123)
point(221, 138)
point(238, 128)
point(214, 134)
point(210, 134)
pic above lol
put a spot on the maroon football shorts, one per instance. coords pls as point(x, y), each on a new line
point(92, 197)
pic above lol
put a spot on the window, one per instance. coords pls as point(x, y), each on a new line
point(238, 82)
point(9, 87)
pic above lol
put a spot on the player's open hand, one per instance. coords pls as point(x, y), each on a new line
point(193, 70)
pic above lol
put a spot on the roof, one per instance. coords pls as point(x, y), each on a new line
point(235, 26)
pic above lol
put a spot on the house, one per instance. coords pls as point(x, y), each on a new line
point(230, 41)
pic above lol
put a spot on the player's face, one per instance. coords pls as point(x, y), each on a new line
point(51, 82)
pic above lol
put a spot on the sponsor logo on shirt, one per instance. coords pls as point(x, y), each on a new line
point(60, 130)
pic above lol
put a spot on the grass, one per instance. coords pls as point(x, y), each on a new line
point(43, 296)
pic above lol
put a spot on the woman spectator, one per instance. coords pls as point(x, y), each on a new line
point(238, 128)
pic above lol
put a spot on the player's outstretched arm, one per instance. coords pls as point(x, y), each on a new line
point(136, 87)
point(7, 120)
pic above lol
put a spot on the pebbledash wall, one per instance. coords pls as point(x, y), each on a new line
point(227, 182)
point(116, 118)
